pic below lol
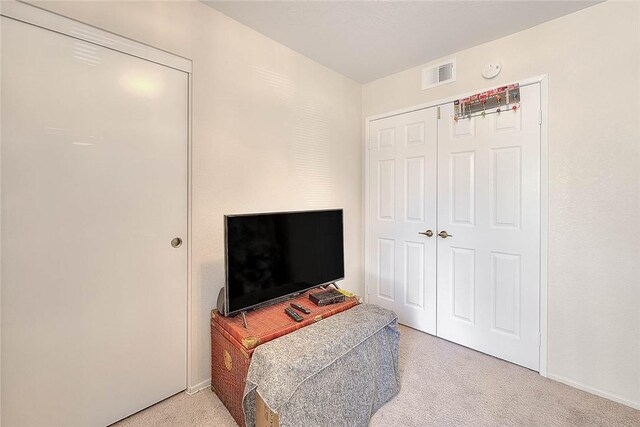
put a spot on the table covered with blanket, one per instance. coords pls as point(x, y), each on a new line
point(337, 372)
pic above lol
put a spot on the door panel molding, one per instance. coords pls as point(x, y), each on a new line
point(405, 276)
point(462, 181)
point(493, 182)
point(499, 128)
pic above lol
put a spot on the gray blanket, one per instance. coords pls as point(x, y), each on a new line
point(336, 372)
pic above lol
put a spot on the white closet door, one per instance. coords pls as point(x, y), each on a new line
point(401, 263)
point(94, 188)
point(489, 201)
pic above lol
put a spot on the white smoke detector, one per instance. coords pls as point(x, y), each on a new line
point(489, 71)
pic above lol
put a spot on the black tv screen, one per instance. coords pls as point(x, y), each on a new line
point(274, 255)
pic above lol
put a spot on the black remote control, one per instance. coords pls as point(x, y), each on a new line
point(301, 308)
point(295, 316)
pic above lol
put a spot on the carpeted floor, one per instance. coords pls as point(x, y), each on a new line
point(443, 384)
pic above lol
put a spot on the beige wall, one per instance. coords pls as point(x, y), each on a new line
point(592, 60)
point(272, 130)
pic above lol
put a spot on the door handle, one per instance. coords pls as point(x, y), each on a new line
point(427, 233)
point(444, 234)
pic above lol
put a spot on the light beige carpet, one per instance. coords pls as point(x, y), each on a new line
point(443, 384)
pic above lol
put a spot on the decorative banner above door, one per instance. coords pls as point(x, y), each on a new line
point(493, 101)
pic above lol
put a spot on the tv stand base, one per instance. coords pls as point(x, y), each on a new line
point(244, 320)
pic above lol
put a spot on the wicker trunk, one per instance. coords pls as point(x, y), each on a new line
point(232, 345)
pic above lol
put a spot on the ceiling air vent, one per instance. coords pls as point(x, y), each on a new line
point(439, 74)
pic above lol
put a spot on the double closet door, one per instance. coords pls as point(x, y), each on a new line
point(454, 225)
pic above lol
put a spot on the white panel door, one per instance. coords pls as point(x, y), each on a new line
point(94, 188)
point(489, 202)
point(402, 204)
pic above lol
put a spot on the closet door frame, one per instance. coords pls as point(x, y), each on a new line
point(544, 195)
point(38, 17)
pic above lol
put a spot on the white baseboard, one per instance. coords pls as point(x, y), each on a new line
point(597, 392)
point(201, 386)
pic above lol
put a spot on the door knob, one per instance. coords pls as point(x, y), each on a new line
point(176, 242)
point(427, 233)
point(444, 234)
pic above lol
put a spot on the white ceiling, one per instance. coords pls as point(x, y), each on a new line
point(366, 40)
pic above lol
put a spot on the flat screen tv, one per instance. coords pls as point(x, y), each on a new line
point(273, 255)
